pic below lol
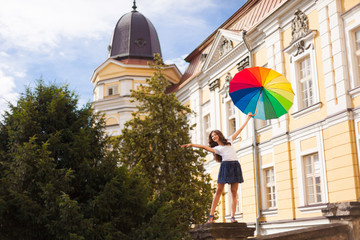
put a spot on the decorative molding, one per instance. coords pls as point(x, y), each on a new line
point(301, 34)
point(313, 108)
point(269, 212)
point(299, 25)
point(300, 45)
point(140, 42)
point(214, 84)
point(243, 64)
point(312, 208)
point(203, 57)
point(224, 91)
point(225, 46)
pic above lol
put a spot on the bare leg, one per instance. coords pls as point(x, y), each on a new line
point(234, 188)
point(219, 190)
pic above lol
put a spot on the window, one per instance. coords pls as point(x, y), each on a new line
point(351, 26)
point(207, 128)
point(228, 201)
point(306, 83)
point(231, 117)
point(312, 174)
point(112, 90)
point(262, 123)
point(269, 178)
point(357, 53)
point(303, 76)
point(310, 165)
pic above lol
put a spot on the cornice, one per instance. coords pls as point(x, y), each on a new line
point(231, 56)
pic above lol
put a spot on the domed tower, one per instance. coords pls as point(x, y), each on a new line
point(134, 37)
point(133, 45)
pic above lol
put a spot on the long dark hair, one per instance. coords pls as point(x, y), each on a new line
point(212, 143)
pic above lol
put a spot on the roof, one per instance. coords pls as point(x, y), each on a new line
point(134, 37)
point(246, 17)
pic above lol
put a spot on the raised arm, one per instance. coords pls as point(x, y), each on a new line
point(199, 146)
point(250, 115)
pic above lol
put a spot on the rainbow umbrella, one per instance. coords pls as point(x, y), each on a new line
point(263, 89)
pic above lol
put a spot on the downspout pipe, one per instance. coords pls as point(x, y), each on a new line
point(256, 155)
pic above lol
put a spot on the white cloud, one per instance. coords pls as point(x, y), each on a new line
point(66, 40)
point(7, 91)
point(40, 25)
point(179, 62)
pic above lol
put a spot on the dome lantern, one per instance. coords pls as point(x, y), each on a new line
point(134, 37)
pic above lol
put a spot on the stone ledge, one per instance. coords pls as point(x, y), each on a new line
point(217, 231)
point(334, 231)
point(342, 210)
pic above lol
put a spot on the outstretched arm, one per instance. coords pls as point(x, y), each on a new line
point(250, 115)
point(199, 146)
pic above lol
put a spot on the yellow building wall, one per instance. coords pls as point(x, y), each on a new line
point(348, 4)
point(260, 57)
point(308, 143)
point(205, 95)
point(341, 162)
point(284, 188)
point(112, 70)
point(265, 136)
point(171, 74)
point(111, 119)
point(356, 101)
point(267, 159)
point(248, 196)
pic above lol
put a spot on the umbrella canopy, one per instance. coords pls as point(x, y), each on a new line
point(263, 89)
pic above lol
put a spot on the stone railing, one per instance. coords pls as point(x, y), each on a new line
point(344, 224)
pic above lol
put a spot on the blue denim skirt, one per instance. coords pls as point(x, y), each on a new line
point(230, 172)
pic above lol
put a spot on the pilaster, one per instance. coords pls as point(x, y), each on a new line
point(333, 56)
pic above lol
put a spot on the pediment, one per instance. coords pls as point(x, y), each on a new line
point(225, 41)
point(108, 67)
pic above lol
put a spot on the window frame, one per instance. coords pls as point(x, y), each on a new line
point(303, 206)
point(352, 25)
point(301, 79)
point(114, 88)
point(265, 187)
point(312, 175)
point(295, 57)
point(228, 202)
point(206, 131)
point(230, 116)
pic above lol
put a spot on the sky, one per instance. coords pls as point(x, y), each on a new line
point(63, 42)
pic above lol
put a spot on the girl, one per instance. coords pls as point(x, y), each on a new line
point(230, 170)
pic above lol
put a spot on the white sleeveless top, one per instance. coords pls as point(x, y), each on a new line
point(227, 152)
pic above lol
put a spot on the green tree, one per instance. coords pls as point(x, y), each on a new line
point(58, 178)
point(150, 145)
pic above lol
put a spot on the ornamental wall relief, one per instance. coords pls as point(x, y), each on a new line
point(214, 84)
point(225, 46)
point(299, 25)
point(243, 64)
point(225, 89)
point(302, 36)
